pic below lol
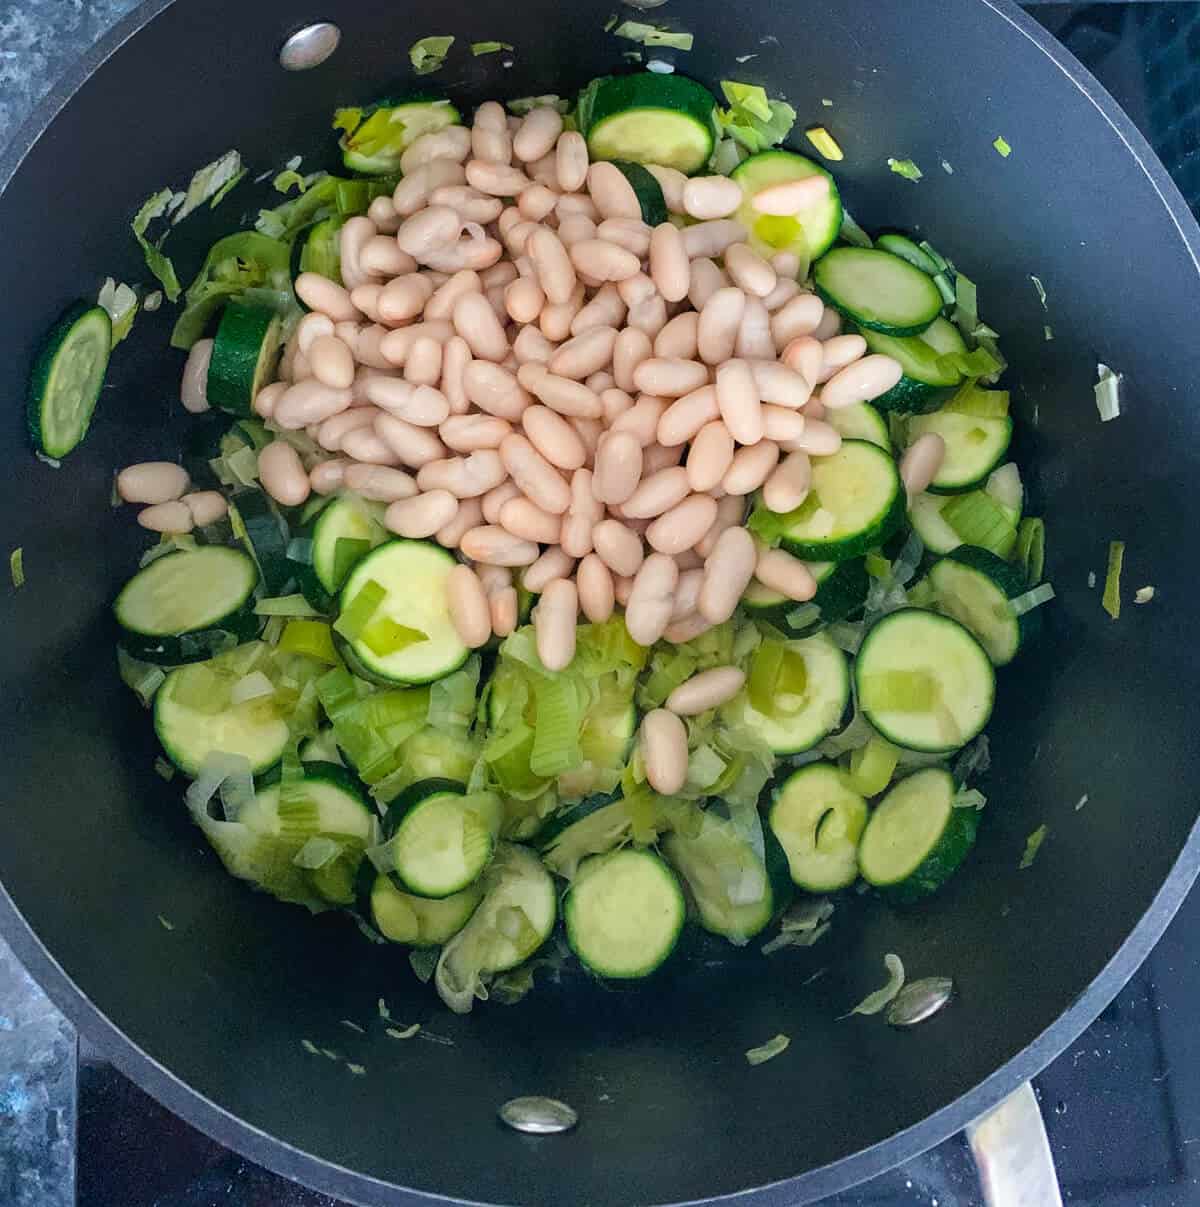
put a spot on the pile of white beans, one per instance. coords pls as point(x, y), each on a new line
point(526, 372)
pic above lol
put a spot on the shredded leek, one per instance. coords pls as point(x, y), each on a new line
point(556, 732)
point(121, 303)
point(878, 566)
point(311, 638)
point(1032, 599)
point(428, 54)
point(1143, 595)
point(905, 168)
point(16, 567)
point(979, 520)
point(768, 1051)
point(1033, 844)
point(405, 1033)
point(1041, 290)
point(285, 605)
point(359, 610)
point(971, 400)
point(480, 48)
point(824, 143)
point(873, 1003)
point(853, 233)
point(752, 119)
point(1111, 600)
point(872, 766)
point(945, 288)
point(384, 636)
point(1108, 393)
point(649, 35)
point(156, 260)
point(900, 691)
point(1001, 145)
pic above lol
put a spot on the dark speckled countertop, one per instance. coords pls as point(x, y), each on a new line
point(1122, 1104)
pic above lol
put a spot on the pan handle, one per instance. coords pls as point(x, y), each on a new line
point(1012, 1154)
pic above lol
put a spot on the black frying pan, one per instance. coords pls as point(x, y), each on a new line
point(209, 1016)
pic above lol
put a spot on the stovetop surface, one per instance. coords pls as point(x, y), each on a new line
point(1122, 1105)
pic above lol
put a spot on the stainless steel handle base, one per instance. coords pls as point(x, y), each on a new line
point(1012, 1154)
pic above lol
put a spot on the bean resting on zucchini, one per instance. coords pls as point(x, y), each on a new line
point(596, 540)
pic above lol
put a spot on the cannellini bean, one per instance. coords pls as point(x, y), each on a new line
point(193, 388)
point(801, 316)
point(464, 477)
point(921, 461)
point(662, 741)
point(396, 345)
point(680, 421)
point(496, 179)
point(749, 271)
point(428, 230)
point(630, 233)
point(785, 290)
point(678, 338)
point(380, 483)
point(707, 197)
point(544, 172)
point(561, 394)
point(576, 205)
point(604, 261)
point(420, 405)
point(206, 506)
point(308, 402)
point(649, 315)
point(606, 309)
point(267, 397)
point(412, 193)
point(523, 300)
point(411, 445)
point(789, 484)
point(363, 444)
point(585, 354)
point(710, 457)
point(495, 390)
point(422, 515)
point(495, 499)
point(657, 456)
point(786, 264)
point(492, 544)
point(554, 624)
point(635, 289)
point(468, 516)
point(471, 205)
point(599, 382)
point(283, 474)
point(329, 476)
point(321, 294)
point(332, 363)
point(612, 193)
point(366, 298)
point(537, 133)
point(792, 196)
point(779, 571)
point(622, 589)
point(528, 521)
point(780, 385)
point(813, 408)
point(839, 352)
point(382, 211)
point(490, 137)
point(536, 477)
point(804, 355)
point(739, 400)
point(669, 378)
point(556, 319)
point(641, 420)
point(381, 256)
point(354, 235)
point(467, 433)
point(594, 581)
point(728, 570)
point(554, 438)
point(818, 439)
point(750, 468)
point(310, 327)
point(782, 424)
point(470, 612)
point(450, 142)
point(687, 590)
point(648, 610)
point(423, 365)
point(618, 546)
point(499, 274)
point(618, 467)
point(672, 182)
point(708, 689)
point(553, 264)
point(571, 161)
point(679, 631)
point(589, 432)
point(754, 341)
point(615, 403)
point(720, 319)
point(442, 301)
point(552, 564)
point(862, 381)
point(584, 512)
point(152, 482)
point(705, 279)
point(167, 517)
point(333, 431)
point(730, 511)
point(630, 349)
point(475, 321)
point(657, 493)
point(712, 238)
point(683, 526)
point(574, 229)
point(532, 347)
point(670, 268)
point(404, 298)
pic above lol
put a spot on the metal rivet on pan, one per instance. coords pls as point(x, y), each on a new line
point(538, 1116)
point(310, 46)
point(920, 1000)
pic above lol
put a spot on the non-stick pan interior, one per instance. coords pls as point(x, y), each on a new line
point(94, 847)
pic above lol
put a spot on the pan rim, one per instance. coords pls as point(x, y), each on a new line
point(328, 1177)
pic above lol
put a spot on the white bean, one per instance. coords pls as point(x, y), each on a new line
point(413, 192)
point(709, 457)
point(719, 323)
point(750, 467)
point(669, 378)
point(728, 569)
point(618, 467)
point(657, 456)
point(267, 397)
point(464, 477)
point(354, 235)
point(554, 624)
point(404, 298)
point(801, 316)
point(730, 511)
point(789, 484)
point(528, 521)
point(152, 482)
point(754, 341)
point(664, 749)
point(429, 230)
point(612, 193)
point(475, 321)
point(561, 394)
point(672, 182)
point(423, 366)
point(584, 512)
point(706, 197)
point(779, 571)
point(630, 348)
point(712, 238)
point(657, 493)
point(682, 527)
point(412, 445)
point(310, 327)
point(283, 474)
point(706, 279)
point(532, 347)
point(618, 546)
point(749, 271)
point(495, 499)
point(780, 385)
point(782, 424)
point(167, 517)
point(536, 477)
point(193, 388)
point(471, 205)
point(739, 401)
point(679, 631)
point(467, 433)
point(450, 142)
point(585, 354)
point(328, 297)
point(468, 516)
point(555, 322)
point(648, 610)
point(523, 300)
point(862, 381)
point(791, 197)
point(594, 581)
point(396, 345)
point(552, 564)
point(329, 476)
point(571, 161)
point(554, 438)
point(379, 483)
point(678, 338)
point(362, 444)
point(537, 133)
point(921, 461)
point(206, 506)
point(708, 689)
point(468, 606)
point(494, 545)
point(615, 403)
point(804, 355)
point(332, 363)
point(496, 179)
point(308, 402)
point(606, 309)
point(381, 256)
point(422, 515)
point(334, 430)
point(680, 421)
point(419, 405)
point(495, 390)
point(838, 353)
point(442, 301)
point(649, 316)
point(604, 261)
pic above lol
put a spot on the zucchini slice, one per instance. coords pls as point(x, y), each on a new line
point(975, 446)
point(243, 357)
point(904, 247)
point(344, 531)
point(841, 592)
point(185, 606)
point(648, 118)
point(594, 826)
point(798, 721)
point(877, 290)
point(923, 681)
point(818, 819)
point(419, 921)
point(856, 502)
point(438, 845)
point(647, 190)
point(861, 422)
point(263, 533)
point(319, 249)
point(975, 586)
point(412, 575)
point(65, 381)
point(809, 234)
point(916, 838)
point(928, 380)
point(736, 894)
point(624, 913)
point(1004, 489)
point(388, 128)
point(193, 717)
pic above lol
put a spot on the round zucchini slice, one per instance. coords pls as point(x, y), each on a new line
point(818, 819)
point(876, 290)
point(808, 234)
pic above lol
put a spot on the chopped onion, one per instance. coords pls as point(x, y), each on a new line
point(218, 767)
point(1143, 595)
